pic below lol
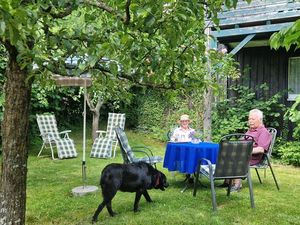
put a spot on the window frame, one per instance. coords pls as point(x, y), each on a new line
point(292, 96)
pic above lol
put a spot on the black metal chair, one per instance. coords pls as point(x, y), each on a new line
point(232, 163)
point(128, 152)
point(266, 160)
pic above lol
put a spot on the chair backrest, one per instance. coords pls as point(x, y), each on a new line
point(273, 132)
point(234, 156)
point(126, 151)
point(114, 120)
point(47, 126)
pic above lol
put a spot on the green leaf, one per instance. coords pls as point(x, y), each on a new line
point(2, 27)
point(149, 20)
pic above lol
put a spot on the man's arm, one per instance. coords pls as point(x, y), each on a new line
point(257, 150)
point(263, 142)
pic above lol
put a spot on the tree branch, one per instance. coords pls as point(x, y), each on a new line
point(90, 103)
point(68, 10)
point(127, 11)
point(106, 8)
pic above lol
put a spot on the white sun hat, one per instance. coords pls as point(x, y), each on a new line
point(184, 117)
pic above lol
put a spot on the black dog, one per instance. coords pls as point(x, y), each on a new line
point(133, 177)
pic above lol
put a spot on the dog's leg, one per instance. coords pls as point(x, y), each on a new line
point(99, 209)
point(147, 196)
point(108, 195)
point(136, 201)
point(109, 209)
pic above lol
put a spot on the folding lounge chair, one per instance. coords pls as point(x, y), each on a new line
point(266, 160)
point(128, 152)
point(232, 163)
point(107, 140)
point(52, 137)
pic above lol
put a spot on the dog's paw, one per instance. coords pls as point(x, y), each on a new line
point(136, 210)
point(94, 220)
point(113, 214)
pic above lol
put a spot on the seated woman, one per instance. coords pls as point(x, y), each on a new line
point(184, 132)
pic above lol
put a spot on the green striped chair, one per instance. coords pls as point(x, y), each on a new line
point(53, 138)
point(106, 142)
point(128, 152)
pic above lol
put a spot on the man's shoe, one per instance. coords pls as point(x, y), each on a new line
point(224, 185)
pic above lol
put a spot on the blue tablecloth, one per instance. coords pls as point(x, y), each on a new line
point(183, 157)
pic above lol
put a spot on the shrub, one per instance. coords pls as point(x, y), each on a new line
point(156, 112)
point(293, 114)
point(231, 115)
point(290, 153)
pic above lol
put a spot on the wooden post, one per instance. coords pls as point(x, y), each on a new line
point(208, 93)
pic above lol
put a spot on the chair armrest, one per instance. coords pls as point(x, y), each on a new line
point(264, 162)
point(210, 168)
point(267, 154)
point(136, 150)
point(206, 160)
point(148, 150)
point(101, 133)
point(66, 133)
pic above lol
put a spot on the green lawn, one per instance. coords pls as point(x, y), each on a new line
point(49, 199)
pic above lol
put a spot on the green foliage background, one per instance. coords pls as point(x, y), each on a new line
point(231, 115)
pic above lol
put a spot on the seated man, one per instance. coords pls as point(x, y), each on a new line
point(262, 140)
point(183, 133)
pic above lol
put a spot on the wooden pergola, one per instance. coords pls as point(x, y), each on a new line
point(253, 24)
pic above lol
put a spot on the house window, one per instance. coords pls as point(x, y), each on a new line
point(294, 78)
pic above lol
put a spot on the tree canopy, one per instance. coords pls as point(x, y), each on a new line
point(287, 37)
point(153, 43)
point(157, 44)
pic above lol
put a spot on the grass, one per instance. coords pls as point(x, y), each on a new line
point(49, 199)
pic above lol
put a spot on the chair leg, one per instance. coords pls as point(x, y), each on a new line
point(41, 150)
point(258, 176)
point(273, 175)
point(173, 175)
point(52, 152)
point(213, 194)
point(115, 149)
point(250, 190)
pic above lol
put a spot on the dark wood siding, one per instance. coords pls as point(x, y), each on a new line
point(260, 65)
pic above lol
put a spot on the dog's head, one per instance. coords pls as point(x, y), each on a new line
point(160, 181)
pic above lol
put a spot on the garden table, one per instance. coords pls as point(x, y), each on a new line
point(184, 156)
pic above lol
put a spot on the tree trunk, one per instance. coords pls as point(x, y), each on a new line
point(208, 98)
point(208, 94)
point(96, 114)
point(14, 143)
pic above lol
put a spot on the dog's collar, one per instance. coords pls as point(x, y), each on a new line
point(157, 180)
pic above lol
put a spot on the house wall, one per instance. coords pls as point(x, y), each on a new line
point(260, 65)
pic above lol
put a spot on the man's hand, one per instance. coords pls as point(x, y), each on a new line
point(257, 150)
